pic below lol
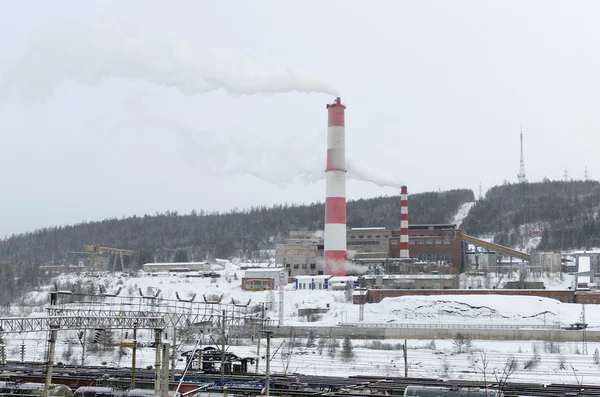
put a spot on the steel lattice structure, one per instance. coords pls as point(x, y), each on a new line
point(27, 324)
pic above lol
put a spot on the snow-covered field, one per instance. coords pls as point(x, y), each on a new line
point(426, 358)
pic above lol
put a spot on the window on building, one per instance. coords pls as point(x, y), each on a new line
point(411, 241)
point(305, 266)
point(377, 236)
point(351, 236)
point(313, 265)
point(429, 241)
point(394, 242)
point(361, 236)
point(287, 265)
point(295, 266)
point(438, 241)
point(420, 242)
point(446, 241)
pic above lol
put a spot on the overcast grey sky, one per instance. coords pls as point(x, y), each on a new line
point(435, 91)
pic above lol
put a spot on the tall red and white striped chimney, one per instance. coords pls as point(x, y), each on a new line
point(404, 254)
point(335, 189)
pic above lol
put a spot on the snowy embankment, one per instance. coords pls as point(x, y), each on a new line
point(439, 359)
point(481, 309)
point(462, 213)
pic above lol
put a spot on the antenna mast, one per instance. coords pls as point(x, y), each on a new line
point(521, 175)
point(586, 176)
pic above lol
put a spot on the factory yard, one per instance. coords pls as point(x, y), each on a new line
point(540, 361)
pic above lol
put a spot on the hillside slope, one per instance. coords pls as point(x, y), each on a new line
point(199, 235)
point(566, 212)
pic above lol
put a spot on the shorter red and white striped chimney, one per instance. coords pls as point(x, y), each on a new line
point(404, 254)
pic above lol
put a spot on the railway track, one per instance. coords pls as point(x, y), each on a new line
point(290, 385)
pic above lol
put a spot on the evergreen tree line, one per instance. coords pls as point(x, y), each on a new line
point(566, 212)
point(171, 236)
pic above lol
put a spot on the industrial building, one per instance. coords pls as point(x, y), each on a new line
point(594, 259)
point(546, 262)
point(264, 278)
point(202, 267)
point(410, 281)
point(312, 282)
point(393, 250)
point(441, 248)
point(301, 254)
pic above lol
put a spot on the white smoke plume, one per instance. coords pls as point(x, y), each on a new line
point(352, 267)
point(272, 161)
point(359, 171)
point(237, 153)
point(318, 234)
point(90, 53)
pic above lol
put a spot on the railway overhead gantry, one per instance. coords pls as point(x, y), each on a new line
point(109, 311)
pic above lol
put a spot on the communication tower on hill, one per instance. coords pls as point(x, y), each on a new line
point(521, 175)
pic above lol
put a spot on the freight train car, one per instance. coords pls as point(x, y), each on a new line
point(429, 391)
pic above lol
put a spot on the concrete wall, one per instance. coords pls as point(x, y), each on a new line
point(435, 333)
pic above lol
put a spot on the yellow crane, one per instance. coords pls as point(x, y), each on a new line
point(96, 251)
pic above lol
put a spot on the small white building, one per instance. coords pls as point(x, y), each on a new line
point(312, 282)
point(584, 273)
point(203, 267)
point(278, 274)
point(337, 283)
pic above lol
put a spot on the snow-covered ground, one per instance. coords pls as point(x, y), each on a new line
point(438, 359)
point(462, 213)
point(423, 309)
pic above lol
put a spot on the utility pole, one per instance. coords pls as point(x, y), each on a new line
point(282, 283)
point(165, 370)
point(262, 325)
point(83, 336)
point(50, 363)
point(584, 325)
point(173, 354)
point(133, 355)
point(157, 362)
point(223, 346)
point(268, 370)
point(405, 351)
